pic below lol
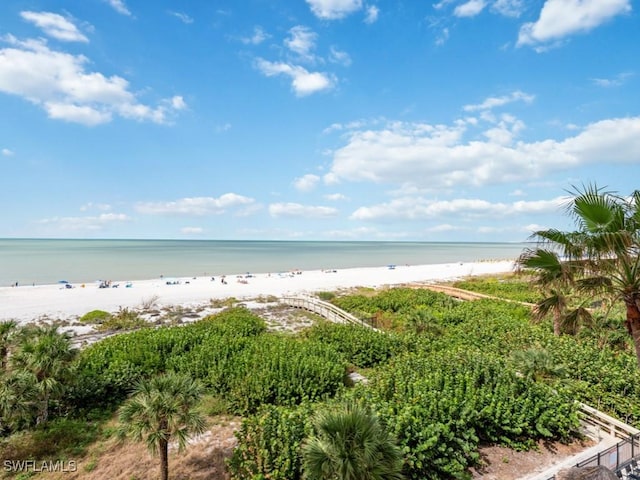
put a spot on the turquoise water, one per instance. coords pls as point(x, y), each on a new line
point(39, 261)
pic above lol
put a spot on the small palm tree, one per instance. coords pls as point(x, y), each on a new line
point(351, 444)
point(45, 355)
point(539, 365)
point(7, 332)
point(160, 409)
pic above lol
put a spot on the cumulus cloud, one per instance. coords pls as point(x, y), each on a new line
point(336, 197)
point(306, 183)
point(508, 8)
point(561, 18)
point(304, 211)
point(334, 9)
point(119, 6)
point(338, 56)
point(7, 153)
point(445, 156)
point(89, 223)
point(259, 36)
point(372, 14)
point(301, 41)
point(303, 82)
point(419, 208)
point(55, 26)
point(59, 83)
point(470, 8)
point(196, 206)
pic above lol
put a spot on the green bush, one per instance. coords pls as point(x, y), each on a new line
point(269, 444)
point(360, 346)
point(95, 316)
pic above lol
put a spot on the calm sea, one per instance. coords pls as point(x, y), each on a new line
point(29, 261)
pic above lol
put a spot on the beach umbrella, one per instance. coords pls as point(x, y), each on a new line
point(62, 281)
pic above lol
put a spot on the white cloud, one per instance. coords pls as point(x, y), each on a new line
point(119, 6)
point(90, 223)
point(302, 41)
point(303, 82)
point(297, 210)
point(191, 230)
point(419, 208)
point(508, 8)
point(493, 102)
point(58, 82)
point(196, 206)
point(7, 153)
point(334, 9)
point(306, 183)
point(442, 38)
point(561, 18)
point(177, 103)
point(336, 197)
point(104, 207)
point(616, 81)
point(225, 127)
point(372, 14)
point(338, 56)
point(183, 17)
point(55, 26)
point(470, 8)
point(420, 155)
point(259, 36)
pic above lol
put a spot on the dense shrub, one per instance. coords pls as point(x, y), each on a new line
point(228, 352)
point(360, 346)
point(269, 444)
point(441, 406)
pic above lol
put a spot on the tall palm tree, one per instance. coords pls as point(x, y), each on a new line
point(603, 253)
point(351, 444)
point(160, 409)
point(45, 355)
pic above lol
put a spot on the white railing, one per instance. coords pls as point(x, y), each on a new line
point(325, 310)
point(606, 424)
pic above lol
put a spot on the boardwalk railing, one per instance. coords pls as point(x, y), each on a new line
point(324, 309)
point(605, 423)
point(614, 457)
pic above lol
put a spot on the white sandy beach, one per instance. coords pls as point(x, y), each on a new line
point(30, 303)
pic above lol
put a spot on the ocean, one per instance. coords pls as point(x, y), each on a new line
point(47, 261)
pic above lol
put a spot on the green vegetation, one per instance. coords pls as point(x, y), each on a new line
point(510, 287)
point(162, 409)
point(446, 378)
point(95, 316)
point(350, 443)
point(600, 258)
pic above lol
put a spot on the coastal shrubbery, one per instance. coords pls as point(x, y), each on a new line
point(227, 352)
point(448, 379)
point(360, 346)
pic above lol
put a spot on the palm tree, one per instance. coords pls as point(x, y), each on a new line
point(7, 331)
point(603, 253)
point(556, 279)
point(351, 444)
point(160, 409)
point(45, 355)
point(538, 364)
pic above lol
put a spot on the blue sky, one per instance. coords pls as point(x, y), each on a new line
point(457, 120)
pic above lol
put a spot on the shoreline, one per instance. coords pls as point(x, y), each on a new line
point(27, 304)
